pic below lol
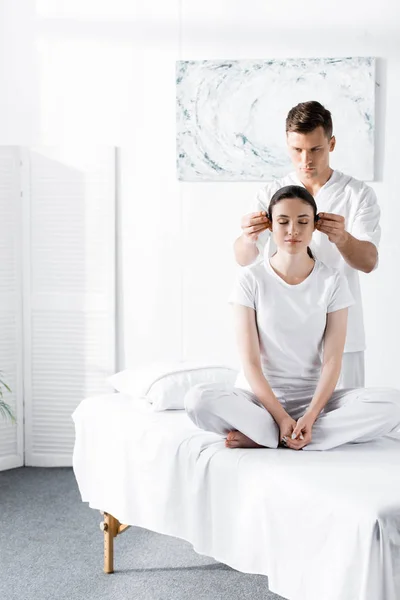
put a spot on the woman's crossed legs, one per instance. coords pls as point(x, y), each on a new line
point(351, 415)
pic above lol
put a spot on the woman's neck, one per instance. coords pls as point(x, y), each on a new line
point(292, 266)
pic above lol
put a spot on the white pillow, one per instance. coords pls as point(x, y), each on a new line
point(165, 384)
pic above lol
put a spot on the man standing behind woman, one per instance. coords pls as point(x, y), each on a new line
point(348, 231)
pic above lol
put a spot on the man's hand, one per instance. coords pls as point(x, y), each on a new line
point(253, 224)
point(333, 226)
point(302, 429)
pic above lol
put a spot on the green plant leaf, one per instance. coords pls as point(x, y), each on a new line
point(3, 383)
point(6, 411)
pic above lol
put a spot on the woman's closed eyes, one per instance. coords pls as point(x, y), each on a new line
point(299, 222)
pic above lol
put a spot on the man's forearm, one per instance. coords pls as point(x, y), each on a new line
point(330, 373)
point(358, 254)
point(245, 252)
point(261, 388)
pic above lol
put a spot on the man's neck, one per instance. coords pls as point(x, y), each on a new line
point(314, 185)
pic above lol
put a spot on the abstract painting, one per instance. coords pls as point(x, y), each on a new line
point(231, 115)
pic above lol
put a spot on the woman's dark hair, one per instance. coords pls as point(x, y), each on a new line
point(293, 191)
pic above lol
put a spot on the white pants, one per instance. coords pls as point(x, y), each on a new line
point(352, 415)
point(352, 372)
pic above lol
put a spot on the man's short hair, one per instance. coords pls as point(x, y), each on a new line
point(307, 116)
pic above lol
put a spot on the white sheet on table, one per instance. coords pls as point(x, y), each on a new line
point(319, 525)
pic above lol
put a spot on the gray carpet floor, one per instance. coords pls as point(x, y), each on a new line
point(51, 547)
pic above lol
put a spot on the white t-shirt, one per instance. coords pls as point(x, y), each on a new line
point(357, 203)
point(291, 319)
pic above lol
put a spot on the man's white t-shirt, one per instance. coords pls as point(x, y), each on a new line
point(291, 319)
point(357, 203)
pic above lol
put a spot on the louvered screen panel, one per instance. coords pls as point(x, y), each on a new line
point(70, 316)
point(11, 436)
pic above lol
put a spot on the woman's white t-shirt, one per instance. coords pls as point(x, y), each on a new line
point(357, 203)
point(291, 319)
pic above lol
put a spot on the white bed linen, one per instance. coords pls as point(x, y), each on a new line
point(320, 525)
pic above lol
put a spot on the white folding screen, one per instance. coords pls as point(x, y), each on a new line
point(69, 291)
point(63, 314)
point(11, 436)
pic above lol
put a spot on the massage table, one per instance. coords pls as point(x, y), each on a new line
point(320, 525)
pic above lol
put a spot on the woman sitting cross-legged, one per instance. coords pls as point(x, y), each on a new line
point(290, 318)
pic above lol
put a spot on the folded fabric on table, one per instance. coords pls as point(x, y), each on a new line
point(165, 384)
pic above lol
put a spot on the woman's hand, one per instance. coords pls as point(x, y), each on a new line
point(286, 427)
point(302, 432)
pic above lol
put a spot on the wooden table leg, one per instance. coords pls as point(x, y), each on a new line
point(110, 527)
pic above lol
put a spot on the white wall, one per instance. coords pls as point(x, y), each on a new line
point(104, 72)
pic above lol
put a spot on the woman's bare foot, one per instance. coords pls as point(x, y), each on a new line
point(236, 439)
